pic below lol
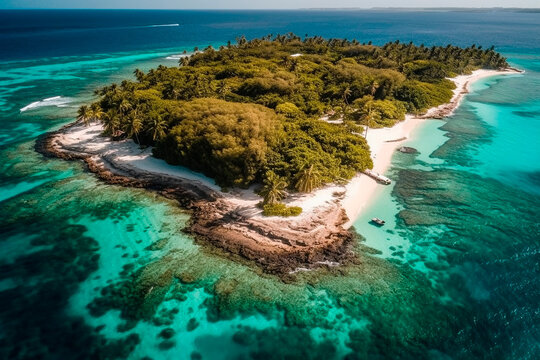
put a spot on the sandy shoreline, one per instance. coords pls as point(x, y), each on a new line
point(232, 221)
point(361, 189)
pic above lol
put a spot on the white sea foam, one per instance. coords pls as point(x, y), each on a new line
point(57, 101)
point(176, 56)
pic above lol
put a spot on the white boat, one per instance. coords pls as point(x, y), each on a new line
point(378, 221)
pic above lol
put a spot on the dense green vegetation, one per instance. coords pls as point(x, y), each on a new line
point(229, 141)
point(280, 209)
point(250, 113)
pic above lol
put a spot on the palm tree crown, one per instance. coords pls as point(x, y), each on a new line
point(273, 189)
point(157, 128)
point(85, 115)
point(134, 125)
point(308, 179)
point(111, 122)
point(346, 93)
point(369, 116)
point(96, 112)
point(125, 107)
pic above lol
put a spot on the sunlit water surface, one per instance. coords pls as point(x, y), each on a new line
point(89, 270)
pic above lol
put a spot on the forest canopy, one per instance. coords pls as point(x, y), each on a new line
point(228, 141)
point(243, 111)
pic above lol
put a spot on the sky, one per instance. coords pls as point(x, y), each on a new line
point(256, 4)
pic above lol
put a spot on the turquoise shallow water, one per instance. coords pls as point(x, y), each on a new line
point(89, 270)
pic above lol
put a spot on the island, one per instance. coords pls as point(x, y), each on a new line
point(265, 141)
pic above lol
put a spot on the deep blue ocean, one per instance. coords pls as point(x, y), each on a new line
point(89, 270)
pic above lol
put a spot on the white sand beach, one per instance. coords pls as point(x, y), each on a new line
point(127, 156)
point(361, 189)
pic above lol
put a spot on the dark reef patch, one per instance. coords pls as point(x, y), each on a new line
point(528, 114)
point(487, 244)
point(35, 310)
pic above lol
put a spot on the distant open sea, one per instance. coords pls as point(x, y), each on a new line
point(455, 273)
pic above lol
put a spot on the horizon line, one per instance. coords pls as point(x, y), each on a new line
point(314, 8)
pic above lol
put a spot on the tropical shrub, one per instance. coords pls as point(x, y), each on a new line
point(280, 209)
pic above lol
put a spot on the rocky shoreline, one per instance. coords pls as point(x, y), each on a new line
point(281, 246)
point(278, 246)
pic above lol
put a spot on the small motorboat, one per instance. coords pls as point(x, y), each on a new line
point(407, 150)
point(378, 221)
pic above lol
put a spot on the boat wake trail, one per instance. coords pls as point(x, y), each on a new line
point(163, 25)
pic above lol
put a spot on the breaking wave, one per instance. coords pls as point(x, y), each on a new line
point(176, 56)
point(58, 101)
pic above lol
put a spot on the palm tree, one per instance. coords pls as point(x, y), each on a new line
point(85, 115)
point(133, 126)
point(286, 61)
point(370, 114)
point(293, 65)
point(273, 189)
point(373, 88)
point(184, 61)
point(157, 128)
point(139, 75)
point(96, 112)
point(223, 89)
point(124, 107)
point(110, 122)
point(202, 86)
point(346, 93)
point(172, 90)
point(308, 179)
point(241, 40)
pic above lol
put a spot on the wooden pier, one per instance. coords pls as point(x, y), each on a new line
point(378, 177)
